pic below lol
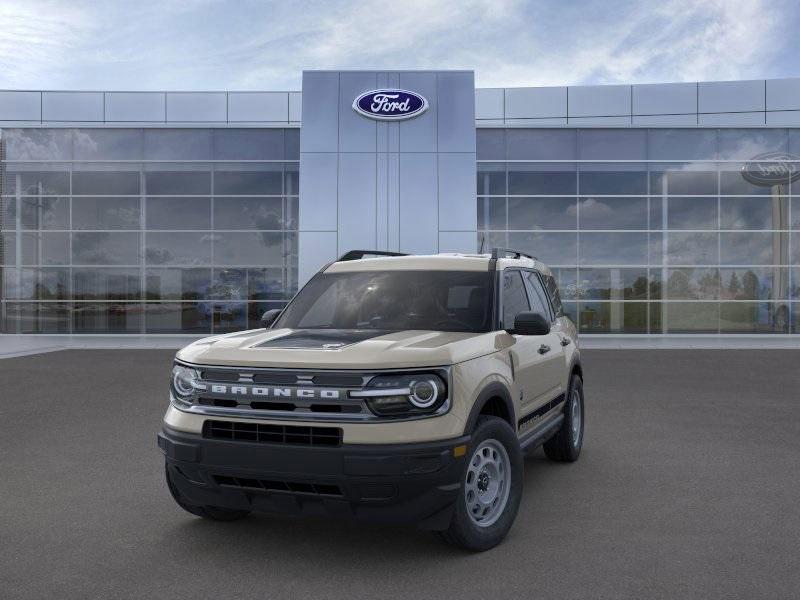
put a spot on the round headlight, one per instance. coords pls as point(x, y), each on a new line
point(183, 379)
point(423, 393)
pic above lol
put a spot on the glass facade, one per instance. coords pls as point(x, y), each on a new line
point(146, 230)
point(650, 230)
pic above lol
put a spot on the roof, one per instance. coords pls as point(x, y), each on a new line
point(433, 262)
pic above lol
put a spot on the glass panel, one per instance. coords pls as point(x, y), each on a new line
point(732, 181)
point(612, 213)
point(491, 179)
point(249, 249)
point(541, 179)
point(100, 317)
point(754, 283)
point(178, 213)
point(627, 183)
point(613, 284)
point(693, 284)
point(795, 220)
point(758, 248)
point(8, 248)
point(551, 248)
point(794, 290)
point(613, 317)
point(229, 317)
point(291, 213)
point(105, 213)
point(248, 144)
point(683, 180)
point(40, 183)
point(248, 213)
point(98, 183)
point(32, 317)
point(541, 213)
point(656, 283)
point(567, 281)
point(265, 284)
point(754, 317)
point(178, 248)
point(682, 144)
point(38, 144)
point(692, 248)
point(178, 144)
point(291, 178)
point(691, 213)
point(178, 183)
point(106, 284)
point(491, 144)
point(754, 213)
point(108, 144)
point(44, 212)
point(291, 140)
point(44, 284)
point(178, 284)
point(613, 248)
point(541, 144)
point(249, 182)
point(50, 248)
point(186, 317)
point(229, 284)
point(735, 143)
point(256, 309)
point(612, 144)
point(795, 317)
point(103, 248)
point(656, 309)
point(8, 213)
point(571, 311)
point(690, 317)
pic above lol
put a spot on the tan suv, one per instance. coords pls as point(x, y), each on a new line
point(392, 388)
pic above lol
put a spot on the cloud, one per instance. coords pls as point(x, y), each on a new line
point(215, 44)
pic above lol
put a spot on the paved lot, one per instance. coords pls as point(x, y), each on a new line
point(688, 487)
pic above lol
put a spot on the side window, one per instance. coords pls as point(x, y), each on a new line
point(539, 302)
point(555, 298)
point(515, 299)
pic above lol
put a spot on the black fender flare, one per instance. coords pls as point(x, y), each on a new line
point(494, 389)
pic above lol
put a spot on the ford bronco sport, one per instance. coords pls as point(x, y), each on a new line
point(391, 388)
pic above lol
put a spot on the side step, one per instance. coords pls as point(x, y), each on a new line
point(542, 433)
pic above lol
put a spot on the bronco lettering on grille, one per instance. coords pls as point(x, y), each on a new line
point(276, 392)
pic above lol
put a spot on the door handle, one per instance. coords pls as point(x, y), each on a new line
point(544, 349)
point(565, 341)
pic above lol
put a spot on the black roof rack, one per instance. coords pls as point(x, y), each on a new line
point(359, 254)
point(505, 252)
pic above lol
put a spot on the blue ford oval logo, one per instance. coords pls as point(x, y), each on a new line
point(390, 105)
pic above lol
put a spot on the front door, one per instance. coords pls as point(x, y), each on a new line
point(535, 375)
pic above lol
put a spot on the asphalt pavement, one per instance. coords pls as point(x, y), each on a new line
point(688, 487)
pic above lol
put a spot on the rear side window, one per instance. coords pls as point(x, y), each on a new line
point(552, 291)
point(515, 299)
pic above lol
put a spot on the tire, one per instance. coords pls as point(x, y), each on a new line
point(566, 444)
point(493, 443)
point(213, 513)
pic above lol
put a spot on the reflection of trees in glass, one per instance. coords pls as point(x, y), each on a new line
point(750, 286)
point(638, 290)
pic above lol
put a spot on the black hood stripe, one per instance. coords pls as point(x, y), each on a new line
point(322, 339)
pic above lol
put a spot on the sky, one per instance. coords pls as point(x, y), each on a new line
point(265, 45)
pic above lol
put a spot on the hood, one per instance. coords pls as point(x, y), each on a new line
point(342, 348)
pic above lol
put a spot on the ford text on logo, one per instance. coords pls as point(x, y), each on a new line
point(390, 105)
point(772, 168)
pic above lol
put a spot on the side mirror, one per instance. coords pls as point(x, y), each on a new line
point(531, 323)
point(269, 317)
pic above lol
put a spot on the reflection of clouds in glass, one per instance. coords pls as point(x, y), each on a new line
point(85, 145)
point(591, 208)
point(692, 248)
point(40, 144)
point(756, 248)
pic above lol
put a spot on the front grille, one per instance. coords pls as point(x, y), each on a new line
point(273, 434)
point(268, 485)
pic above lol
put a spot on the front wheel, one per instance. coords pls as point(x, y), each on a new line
point(566, 444)
point(491, 488)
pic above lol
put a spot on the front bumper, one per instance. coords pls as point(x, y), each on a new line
point(391, 483)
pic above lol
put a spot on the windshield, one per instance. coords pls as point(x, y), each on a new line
point(393, 300)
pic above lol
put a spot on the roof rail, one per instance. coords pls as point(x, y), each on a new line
point(504, 253)
point(359, 254)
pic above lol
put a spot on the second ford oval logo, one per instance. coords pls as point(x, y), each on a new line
point(390, 105)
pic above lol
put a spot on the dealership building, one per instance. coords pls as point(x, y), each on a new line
point(662, 208)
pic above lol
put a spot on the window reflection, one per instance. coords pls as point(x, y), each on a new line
point(612, 213)
point(541, 213)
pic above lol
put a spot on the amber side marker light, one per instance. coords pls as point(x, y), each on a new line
point(459, 451)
